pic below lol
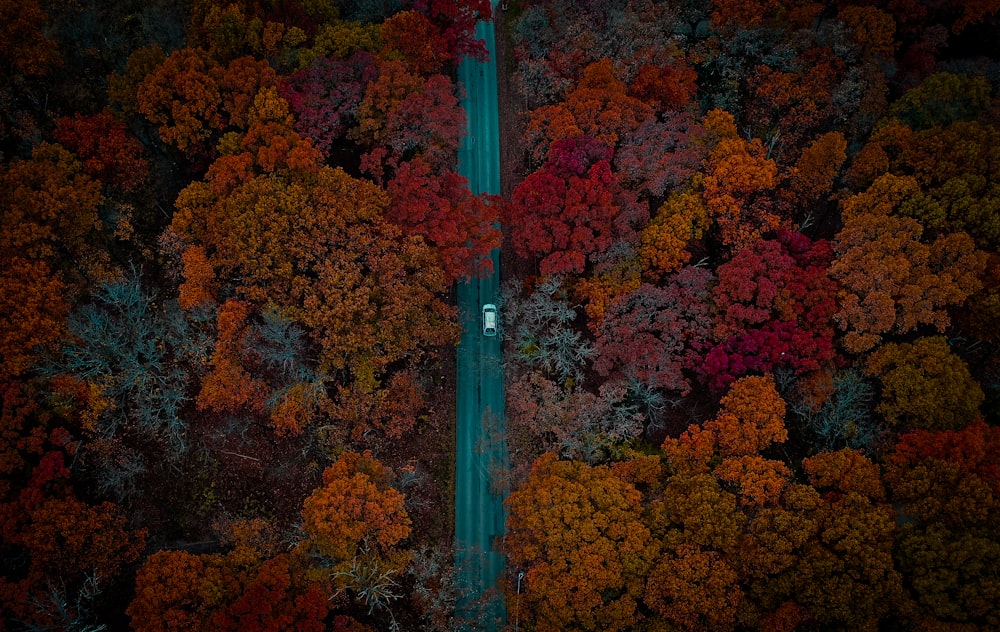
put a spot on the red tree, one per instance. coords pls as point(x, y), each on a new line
point(775, 306)
point(441, 209)
point(324, 97)
point(457, 21)
point(661, 154)
point(403, 116)
point(571, 209)
point(108, 151)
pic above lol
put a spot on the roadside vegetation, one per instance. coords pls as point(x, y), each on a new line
point(750, 313)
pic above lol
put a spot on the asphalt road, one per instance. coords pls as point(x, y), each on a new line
point(481, 450)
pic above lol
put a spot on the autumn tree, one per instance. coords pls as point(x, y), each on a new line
point(775, 303)
point(28, 55)
point(250, 585)
point(671, 86)
point(751, 418)
point(413, 36)
point(576, 530)
point(229, 386)
point(946, 483)
point(231, 30)
point(50, 211)
point(572, 209)
point(694, 590)
point(664, 241)
point(739, 183)
point(894, 280)
point(660, 155)
point(696, 581)
point(35, 447)
point(279, 597)
point(815, 171)
point(108, 151)
point(845, 471)
point(924, 385)
point(599, 107)
point(727, 15)
point(33, 309)
point(846, 575)
point(570, 421)
point(657, 335)
point(403, 116)
point(325, 96)
point(555, 43)
point(942, 99)
point(355, 523)
point(772, 544)
point(62, 543)
point(316, 244)
point(177, 590)
point(341, 39)
point(24, 46)
point(68, 538)
point(386, 410)
point(183, 98)
point(872, 29)
point(952, 164)
point(193, 99)
point(787, 106)
point(441, 209)
point(457, 24)
point(269, 144)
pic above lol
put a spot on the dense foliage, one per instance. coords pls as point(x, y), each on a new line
point(775, 247)
point(750, 323)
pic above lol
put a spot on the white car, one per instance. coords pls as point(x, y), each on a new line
point(489, 319)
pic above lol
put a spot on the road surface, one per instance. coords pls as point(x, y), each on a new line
point(481, 450)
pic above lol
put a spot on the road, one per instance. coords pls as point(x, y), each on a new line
point(481, 448)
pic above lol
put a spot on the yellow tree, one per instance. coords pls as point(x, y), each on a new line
point(681, 219)
point(925, 385)
point(846, 576)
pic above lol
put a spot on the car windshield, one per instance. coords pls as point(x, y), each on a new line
point(489, 319)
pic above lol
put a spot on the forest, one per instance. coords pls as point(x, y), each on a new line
point(750, 313)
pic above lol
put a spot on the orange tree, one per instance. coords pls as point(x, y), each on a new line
point(577, 532)
point(355, 525)
point(739, 184)
point(314, 242)
point(895, 279)
point(598, 107)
